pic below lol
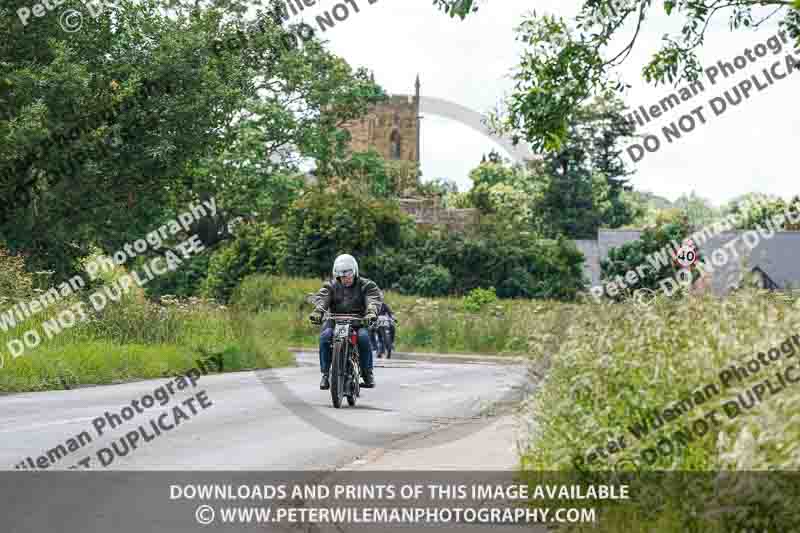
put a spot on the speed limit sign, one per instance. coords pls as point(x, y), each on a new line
point(686, 255)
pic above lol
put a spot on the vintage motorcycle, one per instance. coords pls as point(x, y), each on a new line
point(382, 333)
point(345, 372)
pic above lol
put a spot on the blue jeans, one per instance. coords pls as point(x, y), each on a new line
point(326, 346)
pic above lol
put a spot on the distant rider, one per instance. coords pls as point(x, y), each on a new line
point(347, 293)
point(387, 311)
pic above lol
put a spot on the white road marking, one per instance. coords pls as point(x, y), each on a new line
point(424, 384)
point(46, 424)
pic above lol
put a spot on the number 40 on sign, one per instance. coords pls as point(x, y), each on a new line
point(686, 255)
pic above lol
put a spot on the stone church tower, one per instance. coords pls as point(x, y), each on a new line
point(391, 128)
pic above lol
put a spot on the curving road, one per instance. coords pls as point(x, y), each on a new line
point(267, 420)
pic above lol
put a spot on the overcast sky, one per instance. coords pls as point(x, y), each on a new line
point(750, 148)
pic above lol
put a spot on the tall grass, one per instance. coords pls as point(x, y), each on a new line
point(136, 338)
point(426, 324)
point(614, 363)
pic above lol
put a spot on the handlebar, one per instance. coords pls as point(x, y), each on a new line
point(352, 319)
point(341, 316)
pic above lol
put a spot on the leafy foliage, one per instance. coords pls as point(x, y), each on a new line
point(566, 63)
point(429, 280)
point(365, 173)
point(651, 249)
point(571, 191)
point(476, 299)
point(257, 249)
point(112, 130)
point(263, 292)
point(698, 210)
point(587, 175)
point(517, 264)
point(15, 281)
point(757, 214)
point(438, 187)
point(324, 224)
point(183, 282)
point(460, 8)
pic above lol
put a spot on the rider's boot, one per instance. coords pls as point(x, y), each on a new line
point(369, 379)
point(325, 384)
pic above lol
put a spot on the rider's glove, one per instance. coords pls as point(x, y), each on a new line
point(315, 318)
point(371, 318)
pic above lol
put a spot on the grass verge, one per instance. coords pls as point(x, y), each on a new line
point(614, 365)
point(138, 339)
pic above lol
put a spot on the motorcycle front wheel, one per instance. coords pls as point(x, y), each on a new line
point(355, 379)
point(337, 375)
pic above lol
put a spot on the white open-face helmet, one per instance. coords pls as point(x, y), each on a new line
point(343, 264)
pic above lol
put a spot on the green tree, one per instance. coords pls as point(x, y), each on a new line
point(257, 249)
point(324, 224)
point(488, 175)
point(587, 175)
point(760, 212)
point(109, 131)
point(699, 211)
point(366, 173)
point(96, 124)
point(438, 187)
point(460, 8)
point(652, 250)
point(568, 62)
point(646, 206)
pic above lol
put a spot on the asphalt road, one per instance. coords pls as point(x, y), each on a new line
point(267, 420)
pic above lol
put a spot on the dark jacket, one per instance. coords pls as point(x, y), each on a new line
point(386, 310)
point(363, 296)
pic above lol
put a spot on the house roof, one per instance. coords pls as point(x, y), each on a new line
point(779, 258)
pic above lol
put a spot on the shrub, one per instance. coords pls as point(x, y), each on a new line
point(183, 282)
point(555, 270)
point(430, 280)
point(759, 214)
point(387, 267)
point(477, 299)
point(258, 248)
point(130, 321)
point(15, 282)
point(325, 224)
point(261, 292)
point(516, 264)
point(654, 240)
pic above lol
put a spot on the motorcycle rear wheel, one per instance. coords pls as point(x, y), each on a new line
point(387, 347)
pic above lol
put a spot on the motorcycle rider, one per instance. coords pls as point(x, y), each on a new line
point(386, 310)
point(347, 293)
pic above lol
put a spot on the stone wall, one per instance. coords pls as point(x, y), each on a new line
point(428, 213)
